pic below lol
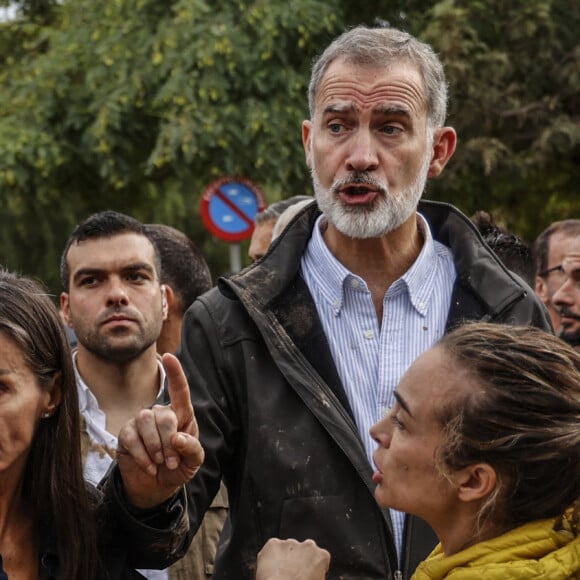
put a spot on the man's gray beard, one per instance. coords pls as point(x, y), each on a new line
point(387, 214)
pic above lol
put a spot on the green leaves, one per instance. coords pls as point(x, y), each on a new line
point(137, 105)
point(512, 68)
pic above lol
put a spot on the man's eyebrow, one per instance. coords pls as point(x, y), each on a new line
point(139, 266)
point(571, 261)
point(86, 272)
point(403, 404)
point(395, 110)
point(570, 266)
point(339, 108)
point(127, 268)
point(385, 109)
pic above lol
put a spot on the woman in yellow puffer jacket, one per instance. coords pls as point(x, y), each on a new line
point(483, 443)
point(548, 549)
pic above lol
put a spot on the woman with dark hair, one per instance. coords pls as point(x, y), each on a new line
point(51, 525)
point(483, 443)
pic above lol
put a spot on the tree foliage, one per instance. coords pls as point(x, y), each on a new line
point(514, 71)
point(137, 105)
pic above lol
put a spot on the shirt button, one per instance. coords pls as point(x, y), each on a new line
point(355, 283)
point(421, 305)
point(369, 334)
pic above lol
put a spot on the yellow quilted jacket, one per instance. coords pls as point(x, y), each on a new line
point(545, 549)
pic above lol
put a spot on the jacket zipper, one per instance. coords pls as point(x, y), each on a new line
point(398, 575)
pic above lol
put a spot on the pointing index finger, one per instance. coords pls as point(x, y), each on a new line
point(179, 395)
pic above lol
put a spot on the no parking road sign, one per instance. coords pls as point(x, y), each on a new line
point(228, 208)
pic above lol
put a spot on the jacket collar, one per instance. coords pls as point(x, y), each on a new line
point(533, 550)
point(484, 286)
point(269, 276)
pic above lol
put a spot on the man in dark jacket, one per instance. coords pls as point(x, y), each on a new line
point(293, 359)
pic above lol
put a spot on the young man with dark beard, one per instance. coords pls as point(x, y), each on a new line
point(114, 300)
point(292, 360)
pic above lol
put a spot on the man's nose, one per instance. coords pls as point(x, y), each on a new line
point(117, 293)
point(563, 296)
point(363, 154)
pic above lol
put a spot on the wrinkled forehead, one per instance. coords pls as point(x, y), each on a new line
point(562, 244)
point(346, 80)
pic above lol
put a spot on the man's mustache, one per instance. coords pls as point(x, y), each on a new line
point(360, 178)
point(566, 313)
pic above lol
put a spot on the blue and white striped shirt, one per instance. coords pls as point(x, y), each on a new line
point(372, 358)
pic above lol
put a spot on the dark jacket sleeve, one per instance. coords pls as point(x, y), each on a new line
point(215, 390)
point(133, 538)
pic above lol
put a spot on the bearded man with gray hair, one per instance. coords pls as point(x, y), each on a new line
point(292, 360)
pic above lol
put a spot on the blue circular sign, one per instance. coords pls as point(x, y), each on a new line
point(228, 208)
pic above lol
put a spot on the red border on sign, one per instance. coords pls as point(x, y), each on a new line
point(211, 190)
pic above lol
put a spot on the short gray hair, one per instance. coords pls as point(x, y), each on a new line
point(382, 47)
point(276, 209)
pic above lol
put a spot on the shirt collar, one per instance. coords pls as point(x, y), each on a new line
point(332, 278)
point(420, 277)
point(327, 272)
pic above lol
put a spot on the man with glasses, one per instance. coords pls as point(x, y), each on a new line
point(567, 297)
point(551, 247)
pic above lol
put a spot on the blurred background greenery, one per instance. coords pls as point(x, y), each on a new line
point(137, 105)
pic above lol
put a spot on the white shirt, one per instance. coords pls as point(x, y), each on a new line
point(102, 444)
point(371, 358)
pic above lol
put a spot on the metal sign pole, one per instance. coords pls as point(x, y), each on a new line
point(235, 258)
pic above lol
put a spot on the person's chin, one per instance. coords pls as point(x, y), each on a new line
point(571, 337)
point(384, 496)
point(380, 496)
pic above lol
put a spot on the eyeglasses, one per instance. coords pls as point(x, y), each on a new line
point(546, 273)
point(562, 276)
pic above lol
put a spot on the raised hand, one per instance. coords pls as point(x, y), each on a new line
point(159, 450)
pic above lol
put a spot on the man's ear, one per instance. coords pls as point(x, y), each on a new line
point(444, 143)
point(306, 137)
point(172, 302)
point(475, 482)
point(65, 308)
point(542, 290)
point(167, 297)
